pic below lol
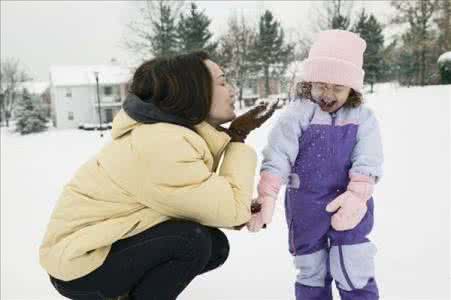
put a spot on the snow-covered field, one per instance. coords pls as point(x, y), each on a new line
point(412, 229)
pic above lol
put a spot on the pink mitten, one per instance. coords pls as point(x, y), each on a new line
point(255, 223)
point(268, 188)
point(351, 205)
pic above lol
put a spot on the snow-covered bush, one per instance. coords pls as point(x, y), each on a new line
point(444, 65)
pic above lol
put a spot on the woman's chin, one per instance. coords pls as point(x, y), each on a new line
point(228, 119)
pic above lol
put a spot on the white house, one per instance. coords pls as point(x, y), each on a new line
point(73, 92)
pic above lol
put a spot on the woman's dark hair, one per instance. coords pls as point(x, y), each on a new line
point(180, 85)
point(304, 90)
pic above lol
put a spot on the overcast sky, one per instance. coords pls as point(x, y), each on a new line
point(45, 33)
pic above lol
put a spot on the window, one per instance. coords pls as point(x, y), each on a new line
point(68, 92)
point(109, 115)
point(70, 116)
point(108, 90)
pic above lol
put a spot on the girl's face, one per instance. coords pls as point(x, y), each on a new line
point(330, 97)
point(222, 104)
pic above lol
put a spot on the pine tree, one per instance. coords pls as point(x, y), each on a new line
point(193, 33)
point(340, 22)
point(270, 53)
point(164, 41)
point(371, 31)
point(155, 30)
point(30, 116)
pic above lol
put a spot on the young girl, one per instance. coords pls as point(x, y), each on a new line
point(327, 149)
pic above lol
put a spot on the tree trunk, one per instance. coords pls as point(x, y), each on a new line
point(423, 67)
point(266, 81)
point(240, 97)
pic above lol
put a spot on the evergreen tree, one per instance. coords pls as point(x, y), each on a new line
point(30, 116)
point(155, 30)
point(193, 32)
point(371, 31)
point(271, 54)
point(340, 22)
point(164, 41)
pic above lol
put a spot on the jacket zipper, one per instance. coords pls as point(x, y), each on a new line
point(334, 169)
point(333, 115)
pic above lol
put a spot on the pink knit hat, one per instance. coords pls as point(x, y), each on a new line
point(336, 57)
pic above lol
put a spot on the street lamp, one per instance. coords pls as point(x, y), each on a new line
point(96, 73)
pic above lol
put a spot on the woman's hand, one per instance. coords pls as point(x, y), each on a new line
point(255, 208)
point(240, 128)
point(262, 210)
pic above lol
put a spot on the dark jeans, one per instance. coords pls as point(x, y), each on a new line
point(156, 264)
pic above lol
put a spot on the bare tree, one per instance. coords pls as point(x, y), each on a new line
point(324, 15)
point(234, 52)
point(154, 31)
point(293, 73)
point(443, 21)
point(420, 35)
point(11, 75)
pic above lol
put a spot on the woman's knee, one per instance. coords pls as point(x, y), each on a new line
point(220, 245)
point(197, 238)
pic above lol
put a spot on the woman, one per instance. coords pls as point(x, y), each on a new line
point(141, 217)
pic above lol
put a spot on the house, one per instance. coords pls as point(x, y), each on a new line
point(75, 98)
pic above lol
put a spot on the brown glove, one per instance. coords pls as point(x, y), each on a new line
point(255, 208)
point(244, 124)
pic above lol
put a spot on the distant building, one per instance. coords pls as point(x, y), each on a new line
point(282, 88)
point(73, 93)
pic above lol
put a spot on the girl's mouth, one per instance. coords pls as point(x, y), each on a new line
point(326, 105)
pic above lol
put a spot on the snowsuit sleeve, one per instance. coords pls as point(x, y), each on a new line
point(281, 151)
point(367, 156)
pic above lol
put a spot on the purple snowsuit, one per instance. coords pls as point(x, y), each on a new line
point(314, 152)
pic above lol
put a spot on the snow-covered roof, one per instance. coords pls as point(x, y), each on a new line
point(444, 57)
point(84, 75)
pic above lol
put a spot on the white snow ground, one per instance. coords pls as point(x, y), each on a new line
point(412, 208)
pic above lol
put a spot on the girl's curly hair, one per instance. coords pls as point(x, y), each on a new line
point(304, 90)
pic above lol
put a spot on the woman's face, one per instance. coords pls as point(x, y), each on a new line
point(330, 97)
point(222, 104)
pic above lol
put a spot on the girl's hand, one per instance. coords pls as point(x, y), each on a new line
point(350, 211)
point(262, 211)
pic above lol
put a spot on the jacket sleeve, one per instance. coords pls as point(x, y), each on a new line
point(367, 156)
point(179, 183)
point(282, 149)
